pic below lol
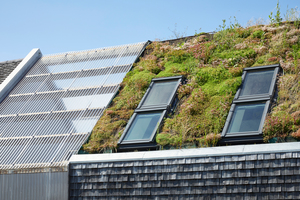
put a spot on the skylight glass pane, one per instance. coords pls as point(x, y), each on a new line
point(160, 93)
point(257, 82)
point(246, 117)
point(143, 126)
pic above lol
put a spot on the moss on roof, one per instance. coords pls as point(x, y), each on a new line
point(212, 67)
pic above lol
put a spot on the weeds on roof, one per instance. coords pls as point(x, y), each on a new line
point(213, 69)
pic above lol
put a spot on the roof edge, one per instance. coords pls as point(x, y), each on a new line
point(188, 153)
point(15, 76)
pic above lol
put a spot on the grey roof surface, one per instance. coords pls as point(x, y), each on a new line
point(7, 67)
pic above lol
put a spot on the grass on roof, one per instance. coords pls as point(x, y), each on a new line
point(213, 69)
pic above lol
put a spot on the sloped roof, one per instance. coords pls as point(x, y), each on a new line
point(49, 114)
point(7, 67)
point(213, 67)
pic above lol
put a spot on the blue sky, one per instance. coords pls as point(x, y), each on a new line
point(63, 25)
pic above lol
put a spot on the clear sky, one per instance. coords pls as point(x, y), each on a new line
point(69, 25)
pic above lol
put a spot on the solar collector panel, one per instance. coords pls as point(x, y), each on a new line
point(51, 111)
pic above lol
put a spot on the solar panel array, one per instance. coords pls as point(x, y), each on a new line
point(50, 113)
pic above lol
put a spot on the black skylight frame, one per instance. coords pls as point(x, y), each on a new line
point(268, 98)
point(144, 109)
point(270, 94)
point(140, 141)
point(158, 106)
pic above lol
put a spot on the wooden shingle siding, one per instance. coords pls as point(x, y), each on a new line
point(254, 176)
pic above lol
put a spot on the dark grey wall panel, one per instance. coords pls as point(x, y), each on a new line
point(274, 175)
point(34, 186)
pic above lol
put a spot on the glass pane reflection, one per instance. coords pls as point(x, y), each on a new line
point(257, 82)
point(84, 125)
point(160, 92)
point(143, 126)
point(246, 117)
point(53, 85)
point(96, 101)
point(94, 81)
point(67, 67)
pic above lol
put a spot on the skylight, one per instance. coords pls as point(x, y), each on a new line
point(251, 104)
point(143, 126)
point(159, 100)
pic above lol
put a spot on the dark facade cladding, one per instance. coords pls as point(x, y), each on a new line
point(7, 67)
point(273, 175)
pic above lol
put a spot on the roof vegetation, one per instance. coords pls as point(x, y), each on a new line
point(212, 66)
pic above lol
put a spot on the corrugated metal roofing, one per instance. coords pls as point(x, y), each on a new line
point(52, 110)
